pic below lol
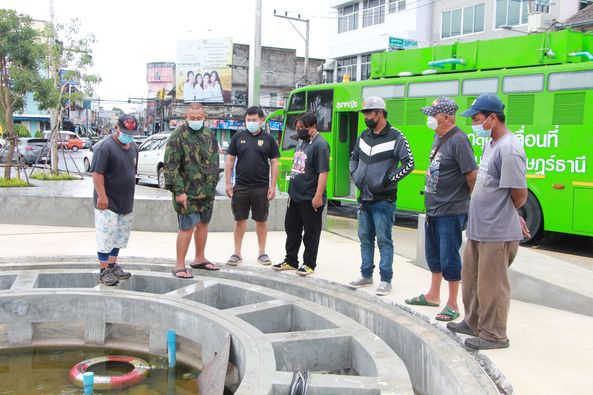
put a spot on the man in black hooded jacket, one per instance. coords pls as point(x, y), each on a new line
point(380, 159)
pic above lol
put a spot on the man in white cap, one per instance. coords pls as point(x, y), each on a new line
point(380, 159)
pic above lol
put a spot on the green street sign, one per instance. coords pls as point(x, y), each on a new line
point(401, 43)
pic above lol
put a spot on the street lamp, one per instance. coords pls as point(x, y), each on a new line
point(510, 28)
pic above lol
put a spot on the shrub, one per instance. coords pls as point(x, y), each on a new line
point(21, 130)
point(13, 182)
point(53, 177)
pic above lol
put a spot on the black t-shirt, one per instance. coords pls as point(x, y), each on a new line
point(118, 166)
point(310, 159)
point(253, 154)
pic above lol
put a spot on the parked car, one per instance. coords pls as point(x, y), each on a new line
point(68, 139)
point(151, 158)
point(87, 142)
point(151, 154)
point(32, 150)
point(88, 157)
point(140, 139)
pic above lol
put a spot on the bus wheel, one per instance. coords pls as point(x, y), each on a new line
point(532, 213)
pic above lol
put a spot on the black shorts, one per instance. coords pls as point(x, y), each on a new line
point(246, 198)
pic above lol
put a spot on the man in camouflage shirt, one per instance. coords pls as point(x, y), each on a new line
point(191, 173)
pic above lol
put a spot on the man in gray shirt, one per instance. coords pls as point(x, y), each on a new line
point(494, 228)
point(450, 178)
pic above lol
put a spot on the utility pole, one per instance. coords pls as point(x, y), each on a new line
point(255, 60)
point(306, 38)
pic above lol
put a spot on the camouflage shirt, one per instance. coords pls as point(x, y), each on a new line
point(191, 167)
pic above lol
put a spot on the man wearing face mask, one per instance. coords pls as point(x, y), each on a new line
point(494, 228)
point(191, 173)
point(307, 196)
point(449, 181)
point(254, 152)
point(381, 158)
point(114, 178)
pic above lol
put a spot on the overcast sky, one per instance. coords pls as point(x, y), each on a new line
point(131, 33)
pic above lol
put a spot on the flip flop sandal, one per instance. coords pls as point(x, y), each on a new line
point(264, 259)
point(205, 266)
point(420, 301)
point(234, 260)
point(174, 272)
point(449, 313)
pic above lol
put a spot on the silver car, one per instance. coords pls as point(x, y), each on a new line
point(32, 150)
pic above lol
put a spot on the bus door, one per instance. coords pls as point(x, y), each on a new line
point(344, 142)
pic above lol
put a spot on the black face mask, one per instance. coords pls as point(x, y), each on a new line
point(371, 123)
point(303, 134)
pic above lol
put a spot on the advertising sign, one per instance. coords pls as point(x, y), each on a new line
point(160, 72)
point(202, 70)
point(159, 76)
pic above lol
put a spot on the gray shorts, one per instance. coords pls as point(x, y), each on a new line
point(189, 221)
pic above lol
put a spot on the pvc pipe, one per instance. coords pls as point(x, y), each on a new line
point(88, 380)
point(443, 62)
point(172, 348)
point(583, 54)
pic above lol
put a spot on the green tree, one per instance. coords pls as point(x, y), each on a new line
point(68, 59)
point(20, 60)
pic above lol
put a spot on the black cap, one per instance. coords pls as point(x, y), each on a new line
point(128, 124)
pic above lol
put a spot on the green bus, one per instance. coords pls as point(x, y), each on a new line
point(545, 81)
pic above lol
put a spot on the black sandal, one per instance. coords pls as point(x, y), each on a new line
point(174, 272)
point(207, 265)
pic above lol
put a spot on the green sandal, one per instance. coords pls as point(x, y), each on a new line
point(420, 301)
point(449, 313)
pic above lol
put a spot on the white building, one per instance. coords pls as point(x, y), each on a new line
point(469, 20)
point(364, 27)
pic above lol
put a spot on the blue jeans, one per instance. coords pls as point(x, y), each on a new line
point(375, 219)
point(442, 236)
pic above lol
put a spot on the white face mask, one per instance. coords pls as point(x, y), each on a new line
point(195, 125)
point(253, 127)
point(432, 122)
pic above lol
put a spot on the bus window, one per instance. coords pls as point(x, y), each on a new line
point(297, 102)
point(575, 80)
point(290, 136)
point(432, 89)
point(384, 91)
point(479, 86)
point(523, 83)
point(321, 104)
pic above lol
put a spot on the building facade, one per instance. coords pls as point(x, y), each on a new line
point(470, 20)
point(364, 27)
point(281, 72)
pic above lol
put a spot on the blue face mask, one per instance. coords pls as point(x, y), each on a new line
point(253, 127)
point(480, 131)
point(195, 125)
point(125, 138)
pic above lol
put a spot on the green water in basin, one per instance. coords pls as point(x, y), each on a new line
point(45, 371)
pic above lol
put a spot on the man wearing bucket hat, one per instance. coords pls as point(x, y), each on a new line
point(494, 228)
point(114, 178)
point(381, 158)
point(449, 181)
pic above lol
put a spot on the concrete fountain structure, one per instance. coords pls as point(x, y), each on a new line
point(353, 343)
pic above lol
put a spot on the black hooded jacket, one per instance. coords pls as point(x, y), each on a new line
point(379, 162)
